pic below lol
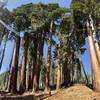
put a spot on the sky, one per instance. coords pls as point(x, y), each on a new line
point(15, 3)
point(64, 3)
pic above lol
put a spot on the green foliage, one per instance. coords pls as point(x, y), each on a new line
point(22, 17)
point(81, 10)
point(69, 23)
point(38, 16)
point(87, 7)
point(43, 14)
point(3, 78)
point(6, 16)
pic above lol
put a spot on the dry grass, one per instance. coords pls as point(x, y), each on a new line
point(77, 92)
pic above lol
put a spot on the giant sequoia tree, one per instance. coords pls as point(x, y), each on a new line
point(88, 11)
point(5, 15)
point(39, 24)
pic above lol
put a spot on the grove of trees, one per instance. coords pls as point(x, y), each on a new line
point(65, 30)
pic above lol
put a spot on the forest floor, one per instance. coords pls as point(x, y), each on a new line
point(76, 92)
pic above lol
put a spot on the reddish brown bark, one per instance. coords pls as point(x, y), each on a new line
point(30, 77)
point(58, 85)
point(14, 66)
point(38, 64)
point(24, 63)
point(32, 64)
point(47, 89)
point(3, 54)
point(9, 85)
point(67, 75)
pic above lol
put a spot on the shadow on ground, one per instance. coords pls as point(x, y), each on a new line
point(29, 97)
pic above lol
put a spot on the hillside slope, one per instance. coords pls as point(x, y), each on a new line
point(77, 92)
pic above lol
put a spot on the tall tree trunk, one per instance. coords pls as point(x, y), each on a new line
point(29, 75)
point(72, 69)
point(47, 89)
point(14, 66)
point(67, 71)
point(87, 81)
point(94, 61)
point(38, 64)
point(3, 54)
point(68, 76)
point(64, 73)
point(32, 63)
point(97, 48)
point(78, 72)
point(58, 85)
point(2, 35)
point(24, 63)
point(34, 58)
point(5, 35)
point(9, 85)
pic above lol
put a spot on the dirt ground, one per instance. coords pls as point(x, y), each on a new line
point(77, 92)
